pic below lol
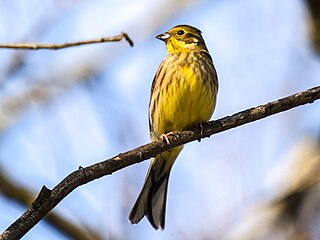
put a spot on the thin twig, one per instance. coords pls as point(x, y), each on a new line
point(48, 199)
point(55, 46)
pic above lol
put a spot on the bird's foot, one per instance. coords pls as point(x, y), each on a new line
point(164, 137)
point(174, 136)
point(201, 131)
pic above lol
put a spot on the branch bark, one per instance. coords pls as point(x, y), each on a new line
point(48, 199)
point(56, 46)
point(23, 197)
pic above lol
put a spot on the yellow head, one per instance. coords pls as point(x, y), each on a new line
point(183, 38)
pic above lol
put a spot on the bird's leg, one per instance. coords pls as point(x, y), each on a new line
point(201, 131)
point(164, 137)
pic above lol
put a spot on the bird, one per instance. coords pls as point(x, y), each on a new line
point(183, 95)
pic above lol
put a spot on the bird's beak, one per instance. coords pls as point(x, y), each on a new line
point(163, 36)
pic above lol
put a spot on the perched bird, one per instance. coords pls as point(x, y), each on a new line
point(183, 95)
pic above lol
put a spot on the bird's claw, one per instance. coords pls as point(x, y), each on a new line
point(164, 137)
point(201, 132)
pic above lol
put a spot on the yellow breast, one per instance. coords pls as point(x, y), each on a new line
point(184, 93)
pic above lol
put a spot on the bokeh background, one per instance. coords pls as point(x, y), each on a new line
point(68, 108)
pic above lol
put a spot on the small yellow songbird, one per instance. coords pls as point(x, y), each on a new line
point(183, 95)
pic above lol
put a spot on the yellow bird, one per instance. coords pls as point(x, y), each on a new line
point(183, 95)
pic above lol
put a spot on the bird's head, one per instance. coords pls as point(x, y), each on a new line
point(183, 38)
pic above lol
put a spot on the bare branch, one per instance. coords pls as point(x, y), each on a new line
point(56, 46)
point(48, 199)
point(23, 197)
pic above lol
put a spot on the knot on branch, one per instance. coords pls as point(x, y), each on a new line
point(44, 194)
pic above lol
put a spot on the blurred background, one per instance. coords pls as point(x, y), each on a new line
point(77, 106)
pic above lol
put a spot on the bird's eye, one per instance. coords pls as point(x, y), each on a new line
point(180, 32)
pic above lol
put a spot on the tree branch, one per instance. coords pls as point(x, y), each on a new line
point(23, 197)
point(55, 46)
point(48, 199)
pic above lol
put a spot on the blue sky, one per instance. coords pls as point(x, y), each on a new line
point(261, 52)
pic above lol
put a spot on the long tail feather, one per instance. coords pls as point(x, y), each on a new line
point(152, 200)
point(153, 196)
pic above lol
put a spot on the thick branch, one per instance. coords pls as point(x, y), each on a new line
point(23, 197)
point(55, 46)
point(48, 199)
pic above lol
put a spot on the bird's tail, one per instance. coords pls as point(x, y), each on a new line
point(153, 196)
